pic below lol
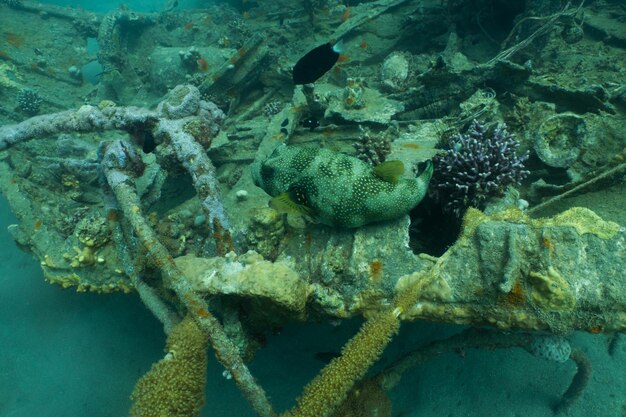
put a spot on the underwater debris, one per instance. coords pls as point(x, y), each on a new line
point(248, 276)
point(476, 166)
point(394, 71)
point(353, 94)
point(184, 103)
point(558, 139)
point(266, 231)
point(239, 70)
point(189, 59)
point(481, 253)
point(579, 382)
point(603, 177)
point(496, 274)
point(366, 13)
point(357, 103)
point(568, 11)
point(92, 230)
point(118, 172)
point(84, 119)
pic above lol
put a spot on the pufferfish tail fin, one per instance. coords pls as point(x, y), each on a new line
point(283, 203)
point(389, 171)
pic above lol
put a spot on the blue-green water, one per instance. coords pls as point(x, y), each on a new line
point(69, 354)
point(136, 5)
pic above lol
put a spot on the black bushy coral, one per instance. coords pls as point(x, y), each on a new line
point(477, 165)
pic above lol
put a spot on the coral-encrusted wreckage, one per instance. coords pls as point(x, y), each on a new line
point(137, 179)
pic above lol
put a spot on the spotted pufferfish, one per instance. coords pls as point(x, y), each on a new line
point(336, 189)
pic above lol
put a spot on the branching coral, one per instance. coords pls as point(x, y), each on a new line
point(174, 386)
point(476, 166)
point(372, 149)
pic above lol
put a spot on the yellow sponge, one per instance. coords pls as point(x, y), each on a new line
point(331, 386)
point(174, 386)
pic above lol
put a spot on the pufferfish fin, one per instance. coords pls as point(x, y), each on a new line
point(283, 203)
point(389, 171)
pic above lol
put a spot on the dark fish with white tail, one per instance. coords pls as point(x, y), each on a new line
point(316, 63)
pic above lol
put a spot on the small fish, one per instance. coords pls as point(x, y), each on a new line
point(326, 357)
point(310, 122)
point(202, 64)
point(411, 145)
point(316, 63)
point(145, 140)
point(346, 14)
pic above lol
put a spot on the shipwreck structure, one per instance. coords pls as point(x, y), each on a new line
point(144, 186)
